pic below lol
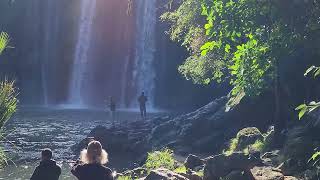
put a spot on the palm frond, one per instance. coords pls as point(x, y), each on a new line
point(4, 41)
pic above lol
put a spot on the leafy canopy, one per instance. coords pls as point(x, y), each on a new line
point(240, 41)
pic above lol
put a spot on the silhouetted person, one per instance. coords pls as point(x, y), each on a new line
point(91, 164)
point(142, 102)
point(48, 169)
point(112, 108)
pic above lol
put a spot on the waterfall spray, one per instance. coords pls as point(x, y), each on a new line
point(144, 71)
point(80, 64)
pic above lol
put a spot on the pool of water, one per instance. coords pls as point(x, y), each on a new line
point(31, 130)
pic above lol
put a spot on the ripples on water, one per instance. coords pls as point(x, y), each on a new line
point(32, 130)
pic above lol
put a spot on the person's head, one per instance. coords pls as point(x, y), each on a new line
point(46, 154)
point(94, 154)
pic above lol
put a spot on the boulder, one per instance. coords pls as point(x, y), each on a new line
point(164, 174)
point(266, 173)
point(239, 175)
point(129, 139)
point(221, 165)
point(310, 174)
point(292, 166)
point(248, 136)
point(191, 176)
point(193, 161)
point(136, 173)
point(271, 158)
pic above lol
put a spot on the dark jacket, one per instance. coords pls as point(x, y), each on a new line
point(47, 170)
point(92, 172)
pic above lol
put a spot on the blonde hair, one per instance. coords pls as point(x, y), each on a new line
point(94, 154)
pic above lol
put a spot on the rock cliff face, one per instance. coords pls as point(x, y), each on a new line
point(206, 130)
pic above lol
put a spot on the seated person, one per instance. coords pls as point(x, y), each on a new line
point(91, 164)
point(48, 169)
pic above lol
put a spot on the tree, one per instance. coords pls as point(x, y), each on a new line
point(245, 42)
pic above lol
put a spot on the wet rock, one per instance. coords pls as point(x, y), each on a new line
point(221, 165)
point(136, 173)
point(271, 158)
point(266, 173)
point(122, 139)
point(164, 174)
point(248, 136)
point(193, 161)
point(191, 176)
point(206, 129)
point(310, 174)
point(239, 175)
point(292, 166)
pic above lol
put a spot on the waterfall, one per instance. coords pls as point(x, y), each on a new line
point(144, 71)
point(49, 44)
point(81, 61)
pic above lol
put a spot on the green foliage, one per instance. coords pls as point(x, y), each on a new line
point(124, 178)
point(3, 158)
point(232, 146)
point(200, 173)
point(258, 146)
point(315, 157)
point(241, 42)
point(4, 41)
point(180, 169)
point(160, 159)
point(185, 26)
point(308, 108)
point(8, 101)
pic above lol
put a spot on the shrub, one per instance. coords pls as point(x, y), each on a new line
point(160, 159)
point(181, 169)
point(8, 105)
point(8, 101)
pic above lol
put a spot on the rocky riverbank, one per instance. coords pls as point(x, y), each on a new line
point(230, 146)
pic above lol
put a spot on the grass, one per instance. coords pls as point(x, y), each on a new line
point(232, 146)
point(258, 145)
point(160, 159)
point(200, 173)
point(181, 169)
point(124, 178)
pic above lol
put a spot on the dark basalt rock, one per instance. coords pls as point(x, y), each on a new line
point(221, 165)
point(193, 161)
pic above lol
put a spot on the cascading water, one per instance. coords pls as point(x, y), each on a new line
point(81, 63)
point(144, 70)
point(50, 30)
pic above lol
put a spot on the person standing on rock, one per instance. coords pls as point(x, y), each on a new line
point(142, 102)
point(112, 108)
point(48, 169)
point(91, 165)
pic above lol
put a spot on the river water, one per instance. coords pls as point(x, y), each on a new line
point(31, 130)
